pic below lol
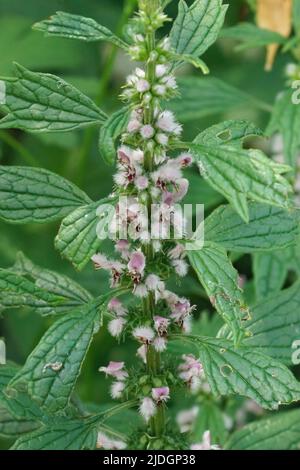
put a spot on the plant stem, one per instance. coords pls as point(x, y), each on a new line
point(89, 133)
point(153, 357)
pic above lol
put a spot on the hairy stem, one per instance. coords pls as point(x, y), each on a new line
point(153, 357)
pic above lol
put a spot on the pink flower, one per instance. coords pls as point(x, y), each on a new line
point(141, 183)
point(205, 444)
point(186, 419)
point(116, 306)
point(144, 334)
point(191, 370)
point(100, 261)
point(116, 370)
point(161, 325)
point(124, 155)
point(160, 344)
point(159, 89)
point(105, 442)
point(147, 408)
point(137, 263)
point(176, 252)
point(140, 290)
point(167, 123)
point(117, 389)
point(180, 266)
point(142, 353)
point(180, 310)
point(156, 285)
point(142, 85)
point(147, 131)
point(185, 159)
point(162, 139)
point(170, 82)
point(116, 326)
point(122, 247)
point(161, 70)
point(133, 126)
point(161, 394)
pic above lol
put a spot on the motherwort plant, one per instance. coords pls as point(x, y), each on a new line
point(152, 244)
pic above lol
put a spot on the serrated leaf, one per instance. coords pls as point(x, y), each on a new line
point(50, 372)
point(285, 119)
point(61, 434)
point(40, 102)
point(205, 96)
point(271, 270)
point(197, 26)
point(18, 404)
point(109, 133)
point(246, 371)
point(278, 432)
point(269, 228)
point(228, 132)
point(17, 291)
point(77, 239)
point(77, 27)
point(251, 35)
point(241, 174)
point(220, 280)
point(52, 282)
point(10, 427)
point(36, 195)
point(275, 324)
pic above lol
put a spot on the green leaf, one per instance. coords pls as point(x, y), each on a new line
point(77, 27)
point(241, 174)
point(269, 228)
point(189, 59)
point(40, 102)
point(220, 280)
point(228, 132)
point(18, 404)
point(271, 270)
point(36, 195)
point(50, 372)
point(197, 27)
point(109, 133)
point(278, 432)
point(77, 239)
point(17, 291)
point(252, 36)
point(275, 324)
point(285, 119)
point(61, 434)
point(53, 282)
point(10, 427)
point(245, 371)
point(210, 417)
point(206, 96)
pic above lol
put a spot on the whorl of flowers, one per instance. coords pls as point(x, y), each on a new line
point(148, 175)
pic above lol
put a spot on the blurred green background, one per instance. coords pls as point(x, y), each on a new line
point(74, 155)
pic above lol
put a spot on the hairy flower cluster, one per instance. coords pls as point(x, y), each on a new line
point(146, 175)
